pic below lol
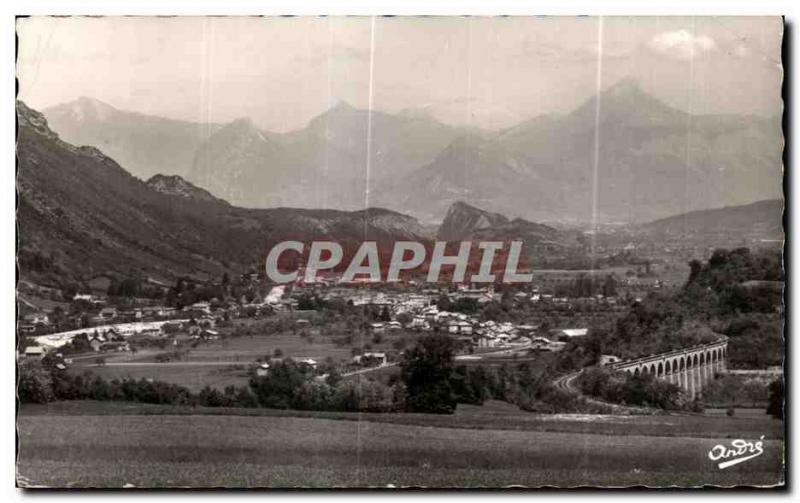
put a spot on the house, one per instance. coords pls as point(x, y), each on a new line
point(115, 346)
point(371, 359)
point(569, 333)
point(96, 344)
point(487, 341)
point(112, 335)
point(308, 362)
point(203, 307)
point(262, 370)
point(35, 352)
point(394, 325)
point(608, 359)
point(210, 335)
point(108, 313)
point(37, 319)
point(377, 327)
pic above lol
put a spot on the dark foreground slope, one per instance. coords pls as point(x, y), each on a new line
point(489, 446)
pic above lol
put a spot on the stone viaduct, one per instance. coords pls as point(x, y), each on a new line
point(689, 368)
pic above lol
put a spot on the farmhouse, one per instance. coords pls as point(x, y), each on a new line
point(35, 352)
point(371, 359)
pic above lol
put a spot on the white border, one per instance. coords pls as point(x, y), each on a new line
point(789, 8)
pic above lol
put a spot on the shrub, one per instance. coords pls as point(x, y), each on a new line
point(624, 388)
point(35, 384)
point(775, 407)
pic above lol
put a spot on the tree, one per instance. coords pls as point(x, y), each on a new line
point(426, 370)
point(35, 384)
point(775, 407)
point(610, 286)
point(695, 266)
point(278, 388)
point(405, 318)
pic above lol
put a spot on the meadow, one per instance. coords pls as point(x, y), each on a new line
point(224, 362)
point(83, 444)
point(221, 363)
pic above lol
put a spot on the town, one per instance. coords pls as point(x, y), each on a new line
point(499, 320)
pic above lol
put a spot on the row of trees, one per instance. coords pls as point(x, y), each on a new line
point(429, 382)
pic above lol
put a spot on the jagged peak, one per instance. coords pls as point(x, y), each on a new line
point(626, 99)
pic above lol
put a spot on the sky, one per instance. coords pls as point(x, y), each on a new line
point(489, 72)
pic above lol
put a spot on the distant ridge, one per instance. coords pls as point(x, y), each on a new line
point(762, 217)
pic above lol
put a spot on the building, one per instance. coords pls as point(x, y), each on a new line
point(37, 319)
point(203, 307)
point(371, 359)
point(308, 362)
point(607, 359)
point(35, 352)
point(569, 333)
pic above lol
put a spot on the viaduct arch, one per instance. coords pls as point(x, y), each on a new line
point(690, 368)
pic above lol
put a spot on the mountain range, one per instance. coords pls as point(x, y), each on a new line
point(621, 156)
point(80, 215)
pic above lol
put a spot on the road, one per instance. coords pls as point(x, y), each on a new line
point(171, 364)
point(567, 383)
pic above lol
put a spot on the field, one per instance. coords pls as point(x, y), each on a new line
point(224, 362)
point(221, 363)
point(109, 445)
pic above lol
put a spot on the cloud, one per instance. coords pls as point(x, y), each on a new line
point(681, 44)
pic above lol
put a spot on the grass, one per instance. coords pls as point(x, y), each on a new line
point(193, 377)
point(493, 415)
point(66, 450)
point(243, 350)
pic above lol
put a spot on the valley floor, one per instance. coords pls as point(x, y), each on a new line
point(91, 444)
